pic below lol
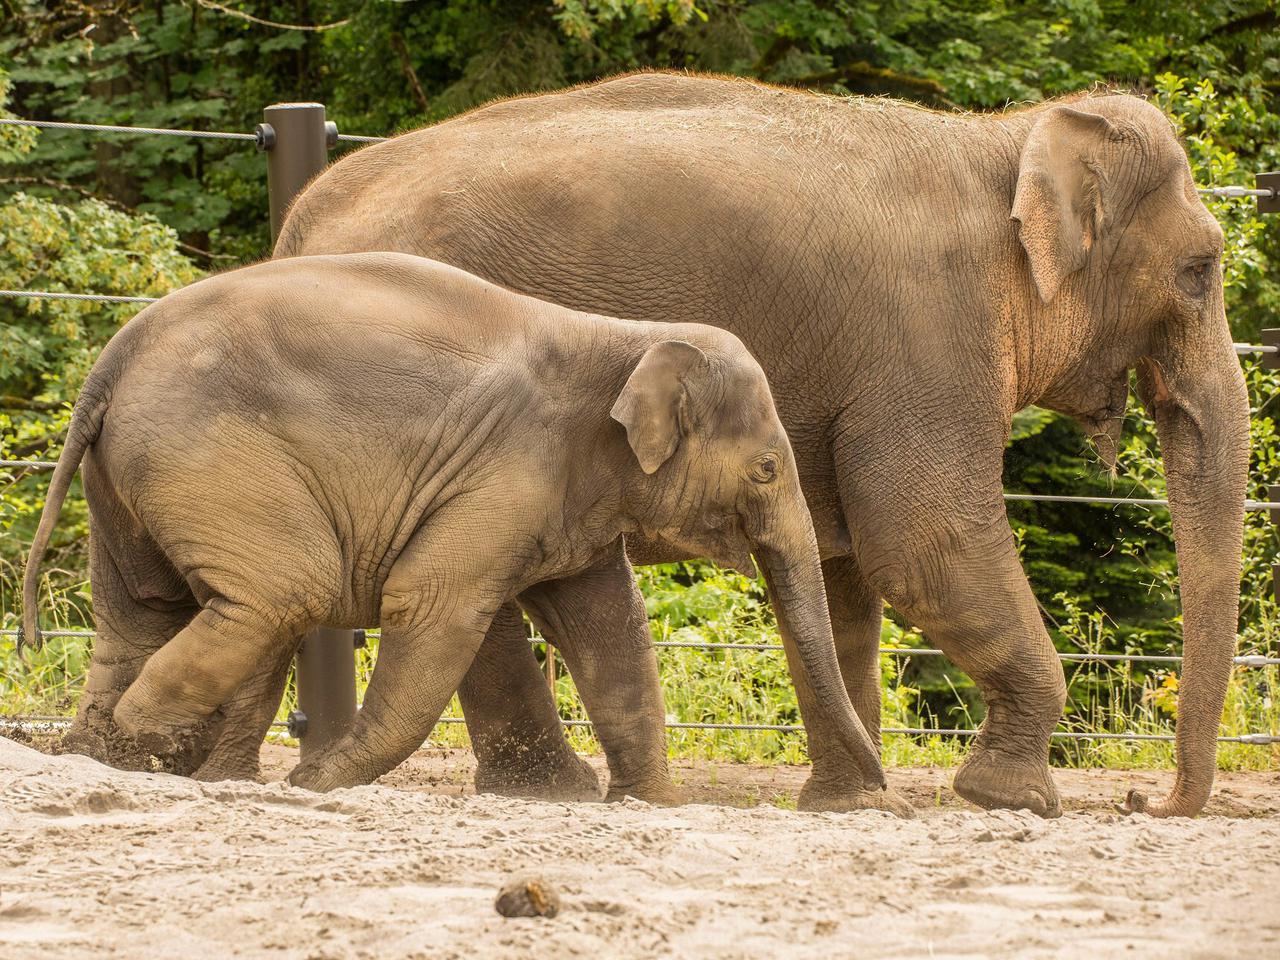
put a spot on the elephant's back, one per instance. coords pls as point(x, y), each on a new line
point(285, 343)
point(635, 138)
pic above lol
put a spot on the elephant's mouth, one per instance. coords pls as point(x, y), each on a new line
point(720, 538)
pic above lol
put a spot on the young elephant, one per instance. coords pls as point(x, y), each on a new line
point(382, 439)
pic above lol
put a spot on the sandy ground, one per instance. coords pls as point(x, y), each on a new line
point(96, 862)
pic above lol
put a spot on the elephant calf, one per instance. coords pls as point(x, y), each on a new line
point(382, 439)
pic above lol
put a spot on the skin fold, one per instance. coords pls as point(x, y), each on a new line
point(908, 280)
point(382, 439)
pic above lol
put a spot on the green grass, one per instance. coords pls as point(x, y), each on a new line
point(698, 603)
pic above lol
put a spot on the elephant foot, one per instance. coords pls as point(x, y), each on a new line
point(172, 747)
point(660, 793)
point(994, 781)
point(819, 796)
point(233, 757)
point(313, 775)
point(241, 767)
point(553, 775)
point(98, 737)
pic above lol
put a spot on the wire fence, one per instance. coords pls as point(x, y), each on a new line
point(1250, 505)
point(1246, 660)
point(333, 137)
point(253, 138)
point(37, 722)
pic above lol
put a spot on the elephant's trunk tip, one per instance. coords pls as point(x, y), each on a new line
point(1177, 804)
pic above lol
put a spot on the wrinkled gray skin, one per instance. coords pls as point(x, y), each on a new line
point(908, 280)
point(381, 439)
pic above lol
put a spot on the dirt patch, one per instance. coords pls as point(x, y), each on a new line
point(100, 862)
point(451, 772)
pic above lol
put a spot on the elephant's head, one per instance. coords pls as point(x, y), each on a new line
point(714, 475)
point(1125, 262)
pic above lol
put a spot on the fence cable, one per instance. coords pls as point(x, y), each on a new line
point(36, 722)
point(160, 131)
point(1252, 506)
point(1237, 192)
point(1246, 660)
point(111, 128)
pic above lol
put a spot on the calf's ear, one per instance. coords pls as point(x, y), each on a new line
point(654, 404)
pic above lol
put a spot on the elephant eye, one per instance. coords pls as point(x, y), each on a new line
point(765, 470)
point(1193, 279)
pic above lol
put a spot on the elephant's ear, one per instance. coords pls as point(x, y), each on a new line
point(654, 405)
point(1058, 202)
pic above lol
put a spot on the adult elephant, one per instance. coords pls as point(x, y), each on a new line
point(909, 280)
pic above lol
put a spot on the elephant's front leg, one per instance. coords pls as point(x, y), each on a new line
point(597, 619)
point(964, 587)
point(978, 607)
point(434, 615)
point(941, 552)
point(515, 731)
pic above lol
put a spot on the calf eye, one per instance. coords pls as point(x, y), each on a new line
point(765, 470)
point(1193, 279)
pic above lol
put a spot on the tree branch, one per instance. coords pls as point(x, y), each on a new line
point(406, 65)
point(1264, 20)
point(304, 27)
point(33, 406)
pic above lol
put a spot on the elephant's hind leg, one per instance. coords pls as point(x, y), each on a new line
point(128, 630)
point(519, 742)
point(176, 700)
point(248, 717)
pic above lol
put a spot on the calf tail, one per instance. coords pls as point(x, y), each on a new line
point(86, 424)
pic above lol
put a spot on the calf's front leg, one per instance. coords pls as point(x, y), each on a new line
point(434, 617)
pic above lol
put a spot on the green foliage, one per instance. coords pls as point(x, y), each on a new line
point(142, 215)
point(48, 346)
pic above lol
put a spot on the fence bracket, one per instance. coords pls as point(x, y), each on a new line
point(296, 724)
point(1270, 338)
point(1269, 181)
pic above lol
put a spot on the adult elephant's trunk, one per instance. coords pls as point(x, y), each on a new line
point(793, 571)
point(1196, 391)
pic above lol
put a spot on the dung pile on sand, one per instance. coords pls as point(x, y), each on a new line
point(98, 862)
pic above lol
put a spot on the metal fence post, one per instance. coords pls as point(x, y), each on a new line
point(296, 140)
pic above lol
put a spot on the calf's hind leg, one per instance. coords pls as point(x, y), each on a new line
point(184, 684)
point(248, 717)
point(128, 630)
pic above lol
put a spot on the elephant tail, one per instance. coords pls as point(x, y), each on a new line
point(86, 424)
